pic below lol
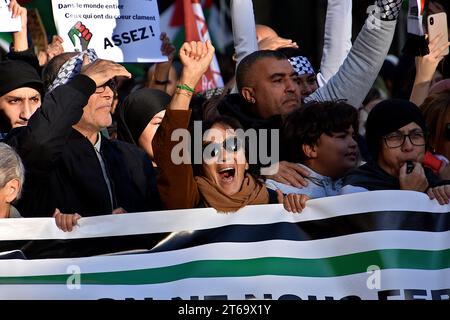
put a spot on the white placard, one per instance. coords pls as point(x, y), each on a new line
point(8, 24)
point(118, 30)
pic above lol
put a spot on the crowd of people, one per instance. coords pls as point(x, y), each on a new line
point(326, 133)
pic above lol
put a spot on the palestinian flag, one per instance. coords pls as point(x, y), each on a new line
point(384, 245)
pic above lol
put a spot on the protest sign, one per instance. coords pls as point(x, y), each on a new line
point(118, 30)
point(7, 23)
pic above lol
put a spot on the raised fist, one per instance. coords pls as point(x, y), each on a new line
point(80, 32)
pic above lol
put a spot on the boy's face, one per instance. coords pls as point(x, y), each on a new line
point(334, 156)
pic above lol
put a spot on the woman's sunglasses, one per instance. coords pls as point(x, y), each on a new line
point(212, 149)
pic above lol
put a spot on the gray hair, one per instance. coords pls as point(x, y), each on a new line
point(11, 167)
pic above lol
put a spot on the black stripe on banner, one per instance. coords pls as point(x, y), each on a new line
point(301, 231)
point(313, 230)
point(74, 248)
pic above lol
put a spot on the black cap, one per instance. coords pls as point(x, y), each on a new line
point(16, 74)
point(389, 116)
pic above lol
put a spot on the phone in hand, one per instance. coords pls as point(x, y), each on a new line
point(437, 24)
point(409, 167)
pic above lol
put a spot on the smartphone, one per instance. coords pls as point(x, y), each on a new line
point(437, 24)
point(409, 167)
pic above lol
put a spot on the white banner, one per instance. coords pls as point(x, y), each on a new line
point(388, 245)
point(118, 30)
point(7, 23)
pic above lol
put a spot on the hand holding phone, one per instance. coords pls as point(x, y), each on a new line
point(437, 24)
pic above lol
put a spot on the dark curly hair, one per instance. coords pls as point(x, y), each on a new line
point(306, 124)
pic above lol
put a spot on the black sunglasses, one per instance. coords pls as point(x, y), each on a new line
point(110, 83)
point(212, 149)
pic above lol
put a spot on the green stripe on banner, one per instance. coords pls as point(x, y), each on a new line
point(323, 267)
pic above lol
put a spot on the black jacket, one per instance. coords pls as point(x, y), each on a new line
point(62, 168)
point(371, 177)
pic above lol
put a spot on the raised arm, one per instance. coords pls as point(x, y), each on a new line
point(244, 30)
point(41, 141)
point(337, 40)
point(365, 59)
point(425, 69)
point(160, 77)
point(176, 184)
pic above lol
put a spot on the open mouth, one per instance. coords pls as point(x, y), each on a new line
point(227, 174)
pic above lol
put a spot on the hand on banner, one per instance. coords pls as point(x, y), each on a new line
point(290, 174)
point(66, 221)
point(196, 57)
point(292, 202)
point(119, 210)
point(441, 194)
point(274, 43)
point(102, 71)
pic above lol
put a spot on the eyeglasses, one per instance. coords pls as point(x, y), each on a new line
point(212, 150)
point(396, 140)
point(110, 83)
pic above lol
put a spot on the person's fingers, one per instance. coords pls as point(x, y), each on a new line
point(63, 222)
point(69, 222)
point(302, 171)
point(442, 49)
point(280, 196)
point(438, 195)
point(294, 179)
point(303, 200)
point(433, 42)
point(293, 202)
point(402, 172)
point(298, 203)
point(56, 212)
point(200, 50)
point(280, 179)
point(430, 193)
point(85, 60)
point(187, 49)
point(287, 204)
point(443, 195)
point(193, 49)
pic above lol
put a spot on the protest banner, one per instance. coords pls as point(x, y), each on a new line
point(7, 23)
point(381, 245)
point(118, 30)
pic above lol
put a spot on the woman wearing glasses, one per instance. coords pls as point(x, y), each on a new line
point(396, 138)
point(220, 179)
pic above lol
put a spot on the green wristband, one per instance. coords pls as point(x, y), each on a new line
point(185, 87)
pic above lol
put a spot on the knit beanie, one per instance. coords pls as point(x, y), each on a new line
point(15, 74)
point(388, 116)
